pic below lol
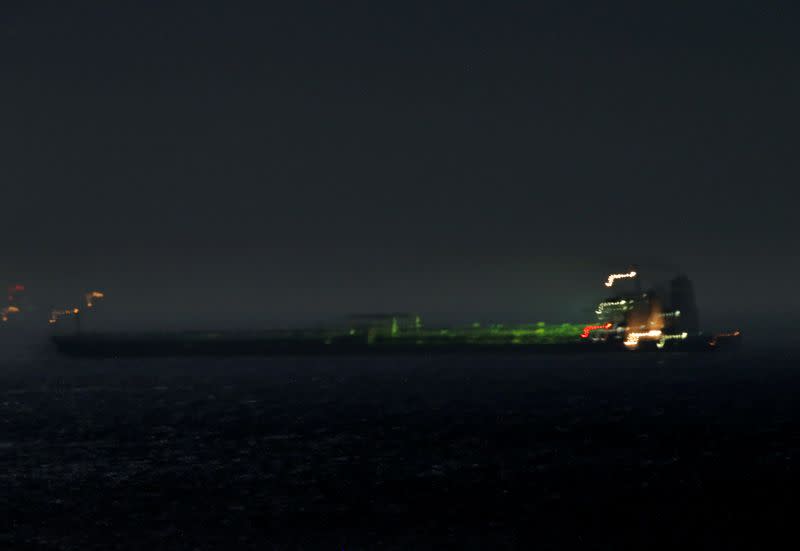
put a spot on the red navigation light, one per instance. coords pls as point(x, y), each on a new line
point(589, 328)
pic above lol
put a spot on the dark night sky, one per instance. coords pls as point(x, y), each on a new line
point(294, 160)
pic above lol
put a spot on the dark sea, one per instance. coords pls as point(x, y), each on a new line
point(451, 452)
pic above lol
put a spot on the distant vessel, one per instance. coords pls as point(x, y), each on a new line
point(630, 320)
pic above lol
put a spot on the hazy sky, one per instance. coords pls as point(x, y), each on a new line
point(473, 159)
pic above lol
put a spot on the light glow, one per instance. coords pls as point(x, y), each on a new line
point(713, 341)
point(603, 305)
point(632, 339)
point(669, 337)
point(92, 296)
point(613, 277)
point(5, 313)
point(55, 315)
point(589, 328)
point(675, 314)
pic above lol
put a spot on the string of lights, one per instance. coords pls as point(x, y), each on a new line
point(613, 277)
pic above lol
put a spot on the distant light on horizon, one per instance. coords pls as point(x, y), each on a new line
point(92, 296)
point(55, 315)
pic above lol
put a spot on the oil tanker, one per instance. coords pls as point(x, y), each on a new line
point(630, 319)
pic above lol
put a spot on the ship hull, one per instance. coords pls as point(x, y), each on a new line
point(110, 346)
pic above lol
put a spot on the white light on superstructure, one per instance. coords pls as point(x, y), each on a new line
point(610, 304)
point(613, 277)
point(669, 337)
point(632, 339)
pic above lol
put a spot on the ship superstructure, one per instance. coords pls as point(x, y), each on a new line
point(637, 318)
